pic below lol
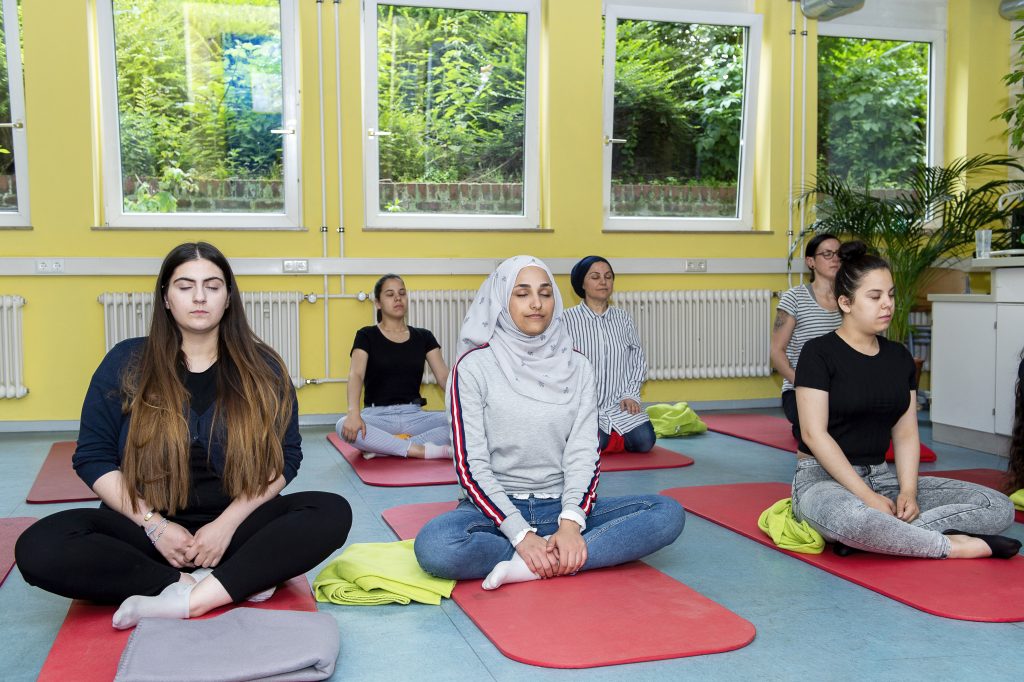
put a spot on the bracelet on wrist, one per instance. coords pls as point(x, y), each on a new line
point(157, 530)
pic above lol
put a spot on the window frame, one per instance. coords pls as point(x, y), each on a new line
point(374, 218)
point(936, 39)
point(744, 220)
point(114, 216)
point(18, 123)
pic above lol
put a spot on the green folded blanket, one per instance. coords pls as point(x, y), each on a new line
point(1018, 499)
point(379, 573)
point(778, 522)
point(675, 420)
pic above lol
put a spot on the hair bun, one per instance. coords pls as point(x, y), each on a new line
point(852, 250)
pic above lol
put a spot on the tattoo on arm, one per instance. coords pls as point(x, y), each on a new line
point(780, 319)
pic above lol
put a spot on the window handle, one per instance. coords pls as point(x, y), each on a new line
point(613, 140)
point(377, 133)
point(283, 131)
point(15, 124)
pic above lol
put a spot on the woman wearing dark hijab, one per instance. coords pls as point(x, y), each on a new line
point(607, 336)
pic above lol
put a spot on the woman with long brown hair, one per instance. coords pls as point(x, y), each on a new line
point(187, 436)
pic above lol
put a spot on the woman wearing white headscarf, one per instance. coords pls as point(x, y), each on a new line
point(523, 412)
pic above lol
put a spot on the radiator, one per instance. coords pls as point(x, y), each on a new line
point(12, 365)
point(273, 316)
point(685, 334)
point(441, 311)
point(702, 334)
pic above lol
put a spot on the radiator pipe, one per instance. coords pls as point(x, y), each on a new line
point(803, 129)
point(792, 132)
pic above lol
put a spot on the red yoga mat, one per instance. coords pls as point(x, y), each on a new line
point(624, 614)
point(401, 471)
point(88, 648)
point(10, 530)
point(774, 432)
point(991, 478)
point(986, 590)
point(57, 480)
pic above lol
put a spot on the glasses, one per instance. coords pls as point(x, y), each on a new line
point(827, 255)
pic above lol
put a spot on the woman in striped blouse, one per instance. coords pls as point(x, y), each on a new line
point(608, 338)
point(805, 312)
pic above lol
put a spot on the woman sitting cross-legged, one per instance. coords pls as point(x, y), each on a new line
point(387, 360)
point(188, 436)
point(523, 413)
point(854, 390)
point(608, 337)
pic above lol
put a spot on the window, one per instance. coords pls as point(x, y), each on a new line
point(680, 98)
point(450, 114)
point(877, 104)
point(872, 108)
point(13, 156)
point(199, 122)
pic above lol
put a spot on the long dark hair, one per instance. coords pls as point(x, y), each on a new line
point(252, 410)
point(812, 246)
point(1015, 469)
point(380, 285)
point(855, 262)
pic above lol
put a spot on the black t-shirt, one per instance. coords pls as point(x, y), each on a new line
point(206, 496)
point(394, 371)
point(867, 394)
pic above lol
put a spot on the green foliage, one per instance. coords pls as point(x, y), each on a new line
point(872, 108)
point(1014, 114)
point(185, 83)
point(929, 222)
point(451, 90)
point(678, 101)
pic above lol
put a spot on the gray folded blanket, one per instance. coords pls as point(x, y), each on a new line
point(242, 644)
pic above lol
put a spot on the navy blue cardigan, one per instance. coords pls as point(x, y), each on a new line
point(104, 428)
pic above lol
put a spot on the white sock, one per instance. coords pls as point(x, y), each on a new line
point(514, 570)
point(200, 573)
point(369, 455)
point(431, 451)
point(172, 602)
point(262, 596)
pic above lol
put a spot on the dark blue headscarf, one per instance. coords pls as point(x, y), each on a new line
point(580, 270)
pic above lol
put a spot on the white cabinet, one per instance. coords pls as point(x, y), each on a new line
point(976, 348)
point(1009, 342)
point(963, 367)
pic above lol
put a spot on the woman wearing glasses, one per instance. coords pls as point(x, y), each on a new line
point(805, 312)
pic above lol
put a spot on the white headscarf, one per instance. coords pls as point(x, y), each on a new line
point(537, 367)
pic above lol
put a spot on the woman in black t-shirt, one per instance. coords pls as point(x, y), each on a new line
point(855, 391)
point(387, 360)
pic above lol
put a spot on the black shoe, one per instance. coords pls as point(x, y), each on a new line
point(1002, 547)
point(839, 549)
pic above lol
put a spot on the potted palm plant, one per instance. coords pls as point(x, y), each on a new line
point(928, 223)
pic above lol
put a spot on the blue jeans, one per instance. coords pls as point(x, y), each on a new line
point(640, 439)
point(945, 504)
point(464, 544)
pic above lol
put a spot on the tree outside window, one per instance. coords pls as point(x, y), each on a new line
point(872, 109)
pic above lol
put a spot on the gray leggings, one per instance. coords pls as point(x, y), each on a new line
point(383, 423)
point(945, 504)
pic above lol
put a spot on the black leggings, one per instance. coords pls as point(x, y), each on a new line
point(789, 409)
point(102, 556)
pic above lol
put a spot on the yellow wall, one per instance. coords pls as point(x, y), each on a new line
point(63, 321)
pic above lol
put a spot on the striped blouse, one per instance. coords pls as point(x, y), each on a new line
point(611, 342)
point(812, 321)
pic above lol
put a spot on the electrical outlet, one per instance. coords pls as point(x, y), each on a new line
point(296, 266)
point(696, 265)
point(50, 266)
